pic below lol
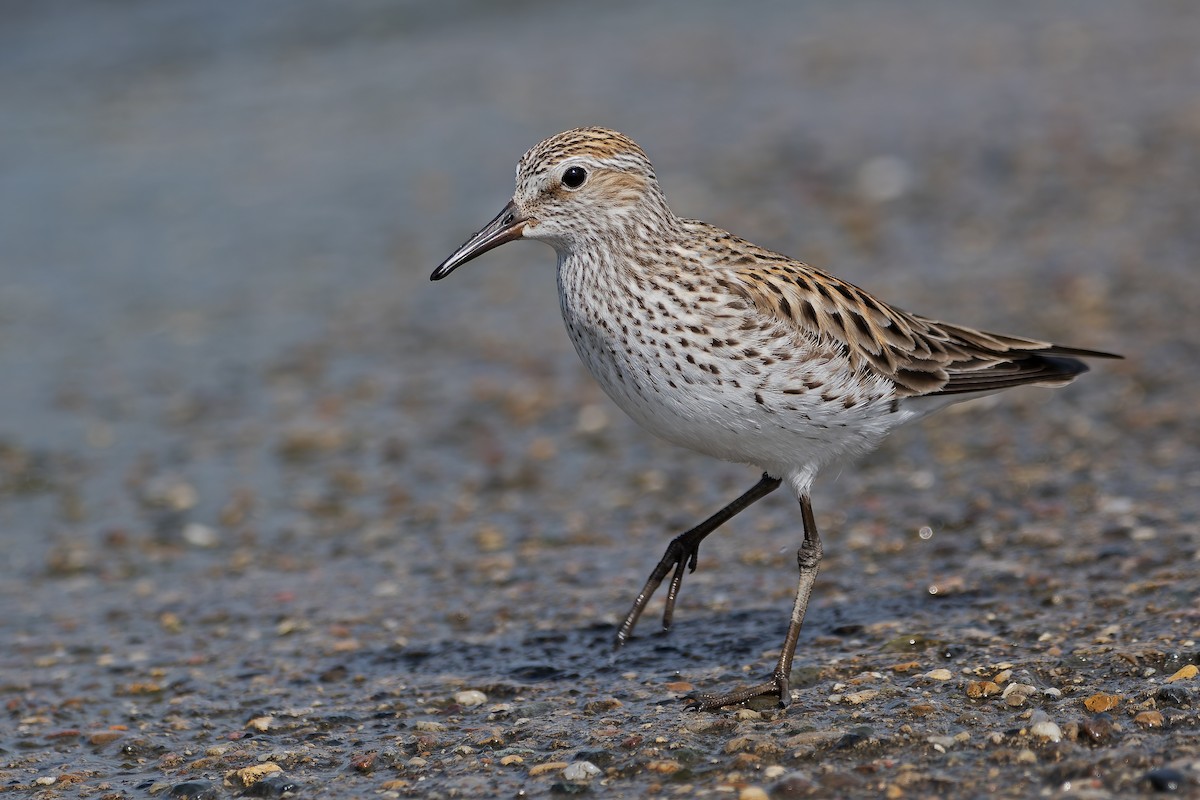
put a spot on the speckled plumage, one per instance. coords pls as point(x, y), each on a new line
point(732, 350)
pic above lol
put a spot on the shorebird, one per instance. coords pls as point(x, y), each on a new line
point(732, 350)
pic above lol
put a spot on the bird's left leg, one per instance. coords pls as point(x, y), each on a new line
point(682, 553)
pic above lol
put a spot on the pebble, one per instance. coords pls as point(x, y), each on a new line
point(429, 726)
point(602, 706)
point(792, 785)
point(1046, 729)
point(248, 776)
point(549, 766)
point(1165, 779)
point(1188, 672)
point(753, 793)
point(198, 535)
point(1097, 729)
point(982, 688)
point(1101, 702)
point(1149, 719)
point(274, 786)
point(194, 790)
point(942, 743)
point(858, 698)
point(941, 674)
point(1173, 696)
point(470, 698)
point(580, 771)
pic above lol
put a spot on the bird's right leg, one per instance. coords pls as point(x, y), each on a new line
point(683, 551)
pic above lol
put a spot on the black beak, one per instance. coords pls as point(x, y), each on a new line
point(509, 224)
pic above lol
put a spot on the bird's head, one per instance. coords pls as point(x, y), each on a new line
point(582, 185)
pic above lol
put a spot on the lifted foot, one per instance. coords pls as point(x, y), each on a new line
point(681, 557)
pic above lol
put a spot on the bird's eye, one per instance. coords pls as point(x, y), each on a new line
point(574, 177)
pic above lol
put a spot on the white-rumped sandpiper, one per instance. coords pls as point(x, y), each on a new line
point(732, 350)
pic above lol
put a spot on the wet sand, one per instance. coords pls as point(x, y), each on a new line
point(269, 497)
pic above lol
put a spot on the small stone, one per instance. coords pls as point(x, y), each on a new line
point(752, 793)
point(1026, 756)
point(104, 737)
point(665, 766)
point(792, 786)
point(198, 535)
point(982, 688)
point(1046, 729)
point(470, 698)
point(490, 539)
point(602, 706)
point(1165, 779)
point(1176, 696)
point(1097, 729)
point(858, 698)
point(1101, 702)
point(248, 776)
point(273, 786)
point(260, 724)
point(429, 726)
point(683, 687)
point(549, 766)
point(45, 780)
point(744, 714)
point(580, 771)
point(194, 790)
point(1149, 719)
point(773, 771)
point(941, 674)
point(1002, 676)
point(941, 743)
point(1190, 671)
point(508, 761)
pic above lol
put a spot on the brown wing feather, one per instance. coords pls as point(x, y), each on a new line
point(921, 356)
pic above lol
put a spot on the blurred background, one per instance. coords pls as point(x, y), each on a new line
point(221, 356)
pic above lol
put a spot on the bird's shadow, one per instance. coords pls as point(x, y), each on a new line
point(551, 656)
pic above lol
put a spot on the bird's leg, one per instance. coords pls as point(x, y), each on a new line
point(683, 551)
point(808, 557)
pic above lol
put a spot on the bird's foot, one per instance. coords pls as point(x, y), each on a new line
point(680, 556)
point(778, 685)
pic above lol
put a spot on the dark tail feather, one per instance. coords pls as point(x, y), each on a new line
point(1041, 370)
